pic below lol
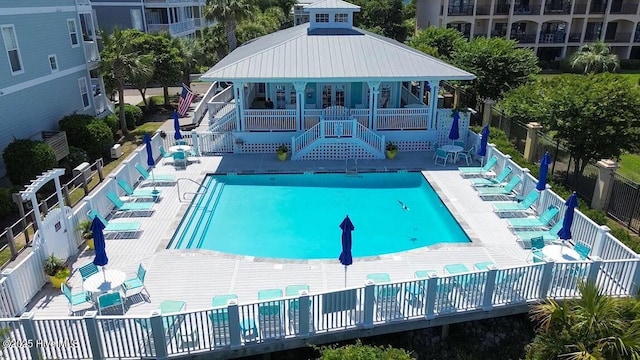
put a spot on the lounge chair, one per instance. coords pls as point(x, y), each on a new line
point(525, 236)
point(157, 178)
point(142, 193)
point(541, 221)
point(77, 299)
point(270, 314)
point(506, 190)
point(517, 207)
point(481, 266)
point(171, 324)
point(128, 206)
point(220, 320)
point(475, 171)
point(386, 295)
point(502, 177)
point(468, 284)
point(118, 227)
point(416, 291)
point(294, 307)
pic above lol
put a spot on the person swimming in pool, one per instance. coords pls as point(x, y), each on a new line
point(403, 206)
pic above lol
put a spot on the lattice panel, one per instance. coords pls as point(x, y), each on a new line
point(338, 151)
point(409, 146)
point(260, 148)
point(443, 125)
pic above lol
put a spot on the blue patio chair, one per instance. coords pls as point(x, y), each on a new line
point(479, 171)
point(164, 154)
point(582, 249)
point(541, 221)
point(459, 143)
point(506, 190)
point(525, 236)
point(386, 295)
point(181, 142)
point(517, 207)
point(467, 156)
point(110, 300)
point(537, 244)
point(87, 270)
point(77, 299)
point(502, 177)
point(442, 155)
point(158, 178)
point(115, 227)
point(270, 314)
point(220, 320)
point(136, 284)
point(294, 307)
point(141, 193)
point(127, 206)
point(179, 159)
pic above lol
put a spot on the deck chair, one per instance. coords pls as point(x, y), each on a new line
point(141, 193)
point(507, 190)
point(164, 154)
point(77, 299)
point(180, 159)
point(443, 156)
point(582, 249)
point(158, 178)
point(135, 284)
point(171, 323)
point(128, 206)
point(541, 221)
point(416, 291)
point(476, 171)
point(502, 177)
point(88, 270)
point(114, 226)
point(294, 307)
point(537, 244)
point(525, 236)
point(386, 297)
point(517, 207)
point(482, 266)
point(110, 300)
point(270, 314)
point(220, 320)
point(467, 156)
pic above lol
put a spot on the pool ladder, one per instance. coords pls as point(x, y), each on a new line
point(184, 196)
point(351, 167)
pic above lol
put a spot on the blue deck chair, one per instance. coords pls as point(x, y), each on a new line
point(128, 206)
point(164, 154)
point(443, 156)
point(475, 171)
point(180, 159)
point(77, 299)
point(142, 193)
point(502, 177)
point(114, 226)
point(88, 270)
point(506, 190)
point(220, 320)
point(294, 307)
point(386, 295)
point(541, 221)
point(270, 314)
point(525, 236)
point(135, 284)
point(158, 178)
point(517, 207)
point(582, 249)
point(110, 300)
point(536, 249)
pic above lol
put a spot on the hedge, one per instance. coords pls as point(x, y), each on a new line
point(25, 159)
point(133, 115)
point(88, 133)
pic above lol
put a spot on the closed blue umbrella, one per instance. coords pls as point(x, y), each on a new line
point(100, 245)
point(150, 160)
point(484, 139)
point(176, 125)
point(454, 132)
point(544, 169)
point(345, 256)
point(572, 202)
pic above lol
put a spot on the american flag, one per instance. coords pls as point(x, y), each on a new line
point(185, 100)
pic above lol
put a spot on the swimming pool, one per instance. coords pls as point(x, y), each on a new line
point(296, 216)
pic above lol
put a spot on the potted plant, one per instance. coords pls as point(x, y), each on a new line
point(85, 231)
point(282, 152)
point(57, 270)
point(391, 150)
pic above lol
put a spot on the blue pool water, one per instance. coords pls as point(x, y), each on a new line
point(298, 216)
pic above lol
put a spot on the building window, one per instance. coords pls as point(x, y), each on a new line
point(136, 19)
point(13, 51)
point(53, 63)
point(385, 95)
point(84, 92)
point(73, 32)
point(280, 96)
point(322, 18)
point(341, 18)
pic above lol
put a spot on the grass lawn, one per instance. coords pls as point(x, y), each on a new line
point(634, 77)
point(630, 167)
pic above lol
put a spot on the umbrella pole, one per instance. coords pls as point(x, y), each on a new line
point(153, 180)
point(345, 276)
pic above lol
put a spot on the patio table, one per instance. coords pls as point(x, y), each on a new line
point(104, 281)
point(560, 253)
point(453, 150)
point(180, 148)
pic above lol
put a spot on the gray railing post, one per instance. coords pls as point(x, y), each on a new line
point(489, 288)
point(635, 282)
point(65, 193)
point(91, 323)
point(545, 281)
point(430, 301)
point(369, 302)
point(602, 190)
point(11, 241)
point(85, 183)
point(158, 334)
point(31, 338)
point(600, 241)
point(304, 312)
point(594, 269)
point(99, 169)
point(234, 323)
point(44, 207)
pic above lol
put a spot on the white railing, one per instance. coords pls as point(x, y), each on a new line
point(100, 103)
point(311, 118)
point(361, 115)
point(219, 100)
point(203, 105)
point(25, 279)
point(91, 51)
point(7, 308)
point(402, 119)
point(226, 123)
point(182, 26)
point(270, 119)
point(309, 315)
point(370, 138)
point(409, 98)
point(336, 128)
point(302, 141)
point(613, 249)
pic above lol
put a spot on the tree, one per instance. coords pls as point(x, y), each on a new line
point(190, 53)
point(597, 116)
point(592, 327)
point(25, 159)
point(385, 15)
point(214, 45)
point(167, 63)
point(259, 24)
point(228, 12)
point(122, 62)
point(498, 64)
point(594, 58)
point(445, 41)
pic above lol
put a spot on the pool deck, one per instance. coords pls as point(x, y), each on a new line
point(195, 276)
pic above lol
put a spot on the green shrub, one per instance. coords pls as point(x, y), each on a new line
point(87, 133)
point(112, 122)
point(7, 206)
point(25, 159)
point(133, 115)
point(101, 139)
point(358, 351)
point(75, 125)
point(76, 157)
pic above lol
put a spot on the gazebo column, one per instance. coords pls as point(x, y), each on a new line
point(421, 93)
point(238, 95)
point(300, 89)
point(374, 91)
point(433, 104)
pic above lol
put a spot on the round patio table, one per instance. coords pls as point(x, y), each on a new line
point(560, 253)
point(104, 281)
point(453, 150)
point(180, 148)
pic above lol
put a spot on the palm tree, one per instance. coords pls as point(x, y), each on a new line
point(228, 12)
point(593, 327)
point(190, 52)
point(595, 57)
point(122, 63)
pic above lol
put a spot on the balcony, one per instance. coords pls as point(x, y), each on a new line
point(499, 33)
point(173, 29)
point(524, 38)
point(501, 9)
point(552, 38)
point(91, 52)
point(580, 8)
point(591, 37)
point(483, 9)
point(628, 9)
point(200, 23)
point(618, 38)
point(597, 8)
point(574, 37)
point(462, 10)
point(557, 9)
point(532, 9)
